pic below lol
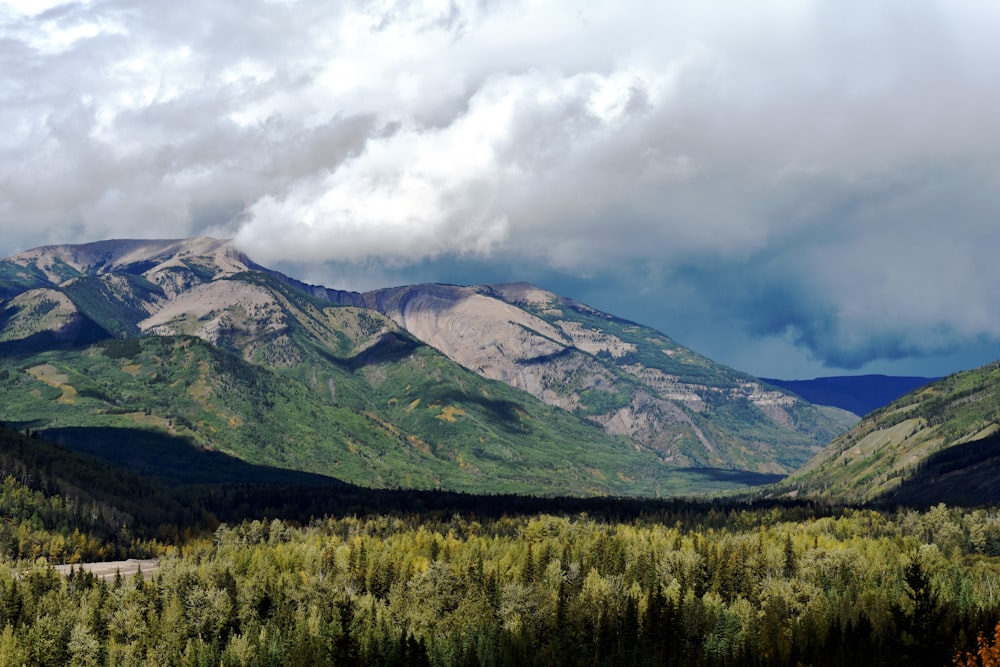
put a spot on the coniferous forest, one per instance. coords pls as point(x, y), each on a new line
point(351, 577)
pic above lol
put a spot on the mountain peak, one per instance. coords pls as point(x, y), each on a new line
point(617, 379)
point(58, 263)
point(523, 292)
point(632, 380)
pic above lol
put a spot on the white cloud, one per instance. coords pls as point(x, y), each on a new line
point(853, 141)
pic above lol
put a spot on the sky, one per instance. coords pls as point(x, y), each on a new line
point(793, 188)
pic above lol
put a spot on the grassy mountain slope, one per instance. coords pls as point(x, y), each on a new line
point(415, 428)
point(946, 429)
point(966, 474)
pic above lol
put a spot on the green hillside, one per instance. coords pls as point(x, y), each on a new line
point(67, 507)
point(936, 443)
point(408, 418)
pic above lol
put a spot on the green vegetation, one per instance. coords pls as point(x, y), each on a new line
point(115, 303)
point(62, 271)
point(675, 586)
point(908, 445)
point(15, 278)
point(59, 505)
point(159, 404)
point(408, 577)
point(599, 402)
point(204, 270)
point(965, 474)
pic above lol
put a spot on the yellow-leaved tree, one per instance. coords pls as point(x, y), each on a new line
point(987, 654)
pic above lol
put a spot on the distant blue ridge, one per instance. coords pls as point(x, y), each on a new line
point(860, 394)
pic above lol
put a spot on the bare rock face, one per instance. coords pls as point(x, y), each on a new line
point(63, 262)
point(486, 335)
point(631, 380)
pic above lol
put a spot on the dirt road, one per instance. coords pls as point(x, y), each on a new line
point(108, 569)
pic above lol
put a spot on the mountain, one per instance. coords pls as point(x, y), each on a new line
point(939, 443)
point(859, 394)
point(142, 351)
point(630, 379)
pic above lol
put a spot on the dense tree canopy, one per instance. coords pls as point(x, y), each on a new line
point(744, 587)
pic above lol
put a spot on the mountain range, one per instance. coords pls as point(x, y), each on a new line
point(136, 350)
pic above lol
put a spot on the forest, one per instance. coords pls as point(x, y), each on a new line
point(716, 586)
point(339, 575)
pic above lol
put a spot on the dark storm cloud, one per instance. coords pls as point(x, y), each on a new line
point(819, 176)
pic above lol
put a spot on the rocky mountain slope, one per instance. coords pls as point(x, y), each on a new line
point(632, 380)
point(504, 387)
point(937, 443)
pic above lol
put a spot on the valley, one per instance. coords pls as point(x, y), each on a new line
point(446, 475)
point(327, 575)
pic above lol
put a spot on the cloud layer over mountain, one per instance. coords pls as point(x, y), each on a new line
point(817, 176)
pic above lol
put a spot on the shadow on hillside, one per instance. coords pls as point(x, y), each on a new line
point(547, 358)
point(173, 459)
point(85, 334)
point(504, 413)
point(735, 477)
point(391, 347)
point(966, 475)
point(171, 481)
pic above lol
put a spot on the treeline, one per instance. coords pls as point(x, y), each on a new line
point(438, 578)
point(48, 494)
point(65, 507)
point(859, 588)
